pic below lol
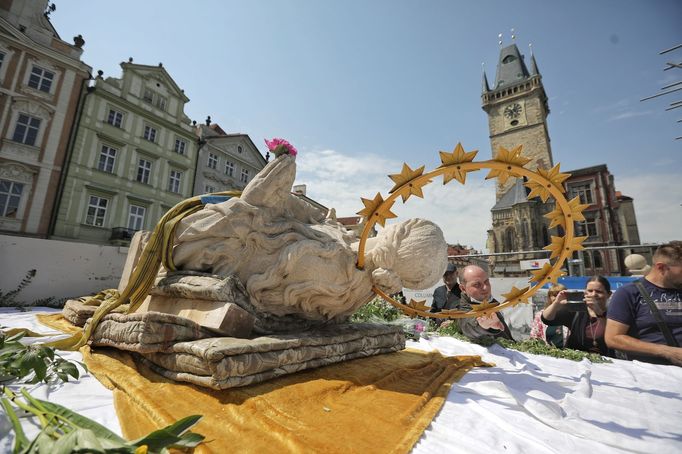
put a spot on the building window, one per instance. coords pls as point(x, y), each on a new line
point(115, 118)
point(212, 161)
point(2, 59)
point(587, 228)
point(244, 177)
point(107, 159)
point(148, 96)
point(144, 170)
point(229, 169)
point(584, 191)
point(149, 133)
point(209, 189)
point(598, 263)
point(10, 196)
point(40, 79)
point(97, 210)
point(174, 181)
point(180, 146)
point(161, 102)
point(136, 217)
point(239, 149)
point(26, 130)
point(509, 240)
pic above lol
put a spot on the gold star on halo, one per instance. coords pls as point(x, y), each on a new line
point(405, 181)
point(378, 209)
point(458, 156)
point(418, 305)
point(558, 246)
point(512, 157)
point(514, 296)
point(556, 179)
point(576, 214)
point(483, 306)
point(545, 274)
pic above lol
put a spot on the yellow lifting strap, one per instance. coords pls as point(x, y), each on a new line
point(159, 250)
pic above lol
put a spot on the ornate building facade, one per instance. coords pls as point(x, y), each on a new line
point(133, 157)
point(41, 81)
point(226, 161)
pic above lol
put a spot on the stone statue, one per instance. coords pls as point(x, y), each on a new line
point(293, 261)
point(637, 265)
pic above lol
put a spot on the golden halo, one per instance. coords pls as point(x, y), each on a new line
point(455, 166)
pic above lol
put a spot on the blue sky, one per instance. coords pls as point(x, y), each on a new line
point(359, 87)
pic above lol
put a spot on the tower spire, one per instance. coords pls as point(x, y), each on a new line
point(485, 87)
point(533, 64)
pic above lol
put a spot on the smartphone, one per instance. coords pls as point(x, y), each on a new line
point(576, 306)
point(575, 296)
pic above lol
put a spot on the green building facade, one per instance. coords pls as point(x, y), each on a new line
point(132, 158)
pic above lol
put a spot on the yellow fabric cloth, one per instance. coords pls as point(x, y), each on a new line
point(58, 322)
point(380, 404)
point(377, 404)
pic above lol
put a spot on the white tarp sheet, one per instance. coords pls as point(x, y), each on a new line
point(525, 404)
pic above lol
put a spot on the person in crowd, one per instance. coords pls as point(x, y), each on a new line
point(475, 285)
point(632, 326)
point(551, 334)
point(585, 321)
point(447, 296)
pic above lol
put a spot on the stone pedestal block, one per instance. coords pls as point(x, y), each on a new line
point(224, 318)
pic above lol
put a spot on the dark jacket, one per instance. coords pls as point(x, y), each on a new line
point(472, 330)
point(444, 299)
point(577, 323)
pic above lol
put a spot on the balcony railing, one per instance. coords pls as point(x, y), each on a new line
point(121, 234)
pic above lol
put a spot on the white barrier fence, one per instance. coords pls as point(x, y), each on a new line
point(63, 269)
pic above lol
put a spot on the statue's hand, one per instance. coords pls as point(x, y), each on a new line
point(272, 185)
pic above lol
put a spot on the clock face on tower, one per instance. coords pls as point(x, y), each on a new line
point(513, 111)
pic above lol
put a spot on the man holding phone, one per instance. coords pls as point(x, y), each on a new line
point(645, 317)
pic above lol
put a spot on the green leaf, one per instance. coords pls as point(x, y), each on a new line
point(78, 421)
point(189, 440)
point(68, 368)
point(46, 351)
point(31, 361)
point(168, 436)
point(20, 440)
point(86, 441)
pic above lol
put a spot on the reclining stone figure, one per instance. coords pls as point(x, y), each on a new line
point(296, 263)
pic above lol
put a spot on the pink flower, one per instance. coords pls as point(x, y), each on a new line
point(280, 146)
point(419, 327)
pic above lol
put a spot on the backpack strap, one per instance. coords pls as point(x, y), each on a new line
point(672, 342)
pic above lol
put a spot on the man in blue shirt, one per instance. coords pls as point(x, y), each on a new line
point(632, 328)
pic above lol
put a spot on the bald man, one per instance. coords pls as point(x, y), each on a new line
point(475, 285)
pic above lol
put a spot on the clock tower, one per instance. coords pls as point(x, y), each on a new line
point(517, 115)
point(517, 111)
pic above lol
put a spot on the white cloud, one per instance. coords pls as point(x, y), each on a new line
point(630, 114)
point(658, 204)
point(463, 212)
point(339, 181)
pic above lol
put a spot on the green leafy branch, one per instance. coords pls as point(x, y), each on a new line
point(8, 299)
point(33, 363)
point(65, 431)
